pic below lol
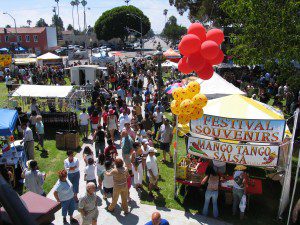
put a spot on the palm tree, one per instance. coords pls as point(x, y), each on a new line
point(84, 3)
point(28, 22)
point(165, 14)
point(73, 4)
point(77, 2)
point(127, 2)
point(57, 1)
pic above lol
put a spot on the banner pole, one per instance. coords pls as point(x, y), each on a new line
point(298, 165)
point(175, 158)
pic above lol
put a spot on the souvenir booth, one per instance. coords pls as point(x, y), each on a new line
point(12, 154)
point(240, 131)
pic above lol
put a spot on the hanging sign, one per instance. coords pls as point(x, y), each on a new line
point(253, 155)
point(270, 131)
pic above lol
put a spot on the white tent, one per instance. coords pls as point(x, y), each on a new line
point(217, 87)
point(169, 64)
point(48, 56)
point(43, 91)
point(49, 59)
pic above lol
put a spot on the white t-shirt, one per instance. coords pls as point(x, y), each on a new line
point(122, 120)
point(68, 164)
point(159, 117)
point(84, 119)
point(90, 172)
point(108, 181)
point(152, 165)
point(100, 169)
point(145, 150)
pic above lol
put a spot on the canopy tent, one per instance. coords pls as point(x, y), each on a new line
point(8, 119)
point(172, 55)
point(43, 91)
point(4, 49)
point(169, 64)
point(48, 56)
point(25, 61)
point(217, 87)
point(102, 58)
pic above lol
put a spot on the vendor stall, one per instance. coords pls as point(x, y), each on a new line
point(49, 59)
point(12, 154)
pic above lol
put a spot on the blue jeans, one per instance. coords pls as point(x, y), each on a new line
point(74, 179)
point(208, 195)
point(237, 196)
point(68, 206)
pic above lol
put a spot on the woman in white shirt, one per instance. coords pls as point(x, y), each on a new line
point(89, 172)
point(72, 167)
point(108, 182)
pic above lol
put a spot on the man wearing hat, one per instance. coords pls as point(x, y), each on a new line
point(239, 187)
point(152, 170)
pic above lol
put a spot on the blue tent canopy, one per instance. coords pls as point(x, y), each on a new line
point(8, 119)
point(4, 50)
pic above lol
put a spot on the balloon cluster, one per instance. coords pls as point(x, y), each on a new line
point(200, 50)
point(188, 103)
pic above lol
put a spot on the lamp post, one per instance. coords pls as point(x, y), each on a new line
point(159, 56)
point(141, 27)
point(6, 13)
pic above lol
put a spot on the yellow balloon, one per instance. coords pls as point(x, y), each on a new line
point(197, 114)
point(183, 119)
point(200, 100)
point(175, 107)
point(187, 106)
point(193, 87)
point(177, 93)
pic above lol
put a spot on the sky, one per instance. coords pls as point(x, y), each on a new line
point(23, 10)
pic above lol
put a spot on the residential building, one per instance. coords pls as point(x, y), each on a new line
point(36, 40)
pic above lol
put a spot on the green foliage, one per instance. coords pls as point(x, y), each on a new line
point(173, 31)
point(41, 23)
point(7, 26)
point(70, 27)
point(267, 32)
point(202, 10)
point(112, 23)
point(150, 34)
point(57, 22)
point(294, 84)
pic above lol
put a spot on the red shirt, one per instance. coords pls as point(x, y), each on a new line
point(104, 116)
point(110, 151)
point(95, 119)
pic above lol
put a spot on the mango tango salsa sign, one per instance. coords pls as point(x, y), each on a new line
point(252, 155)
point(269, 131)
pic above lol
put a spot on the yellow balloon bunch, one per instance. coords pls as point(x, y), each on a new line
point(188, 102)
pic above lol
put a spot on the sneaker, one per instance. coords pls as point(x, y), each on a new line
point(73, 221)
point(65, 220)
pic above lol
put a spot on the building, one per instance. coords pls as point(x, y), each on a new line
point(36, 40)
point(69, 38)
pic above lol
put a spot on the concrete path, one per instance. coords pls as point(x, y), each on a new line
point(139, 213)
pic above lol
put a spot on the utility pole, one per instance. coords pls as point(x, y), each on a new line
point(159, 55)
point(16, 31)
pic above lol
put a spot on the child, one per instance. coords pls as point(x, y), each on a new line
point(89, 172)
point(87, 154)
point(108, 182)
point(100, 169)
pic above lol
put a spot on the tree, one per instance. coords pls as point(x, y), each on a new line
point(173, 31)
point(57, 22)
point(70, 27)
point(73, 4)
point(150, 34)
point(267, 32)
point(202, 10)
point(57, 1)
point(7, 26)
point(29, 22)
point(77, 2)
point(41, 23)
point(113, 23)
point(165, 12)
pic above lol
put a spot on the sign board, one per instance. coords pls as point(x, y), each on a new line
point(5, 60)
point(268, 131)
point(252, 155)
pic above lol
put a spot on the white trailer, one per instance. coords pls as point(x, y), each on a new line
point(83, 73)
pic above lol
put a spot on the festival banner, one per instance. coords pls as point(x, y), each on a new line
point(268, 131)
point(252, 155)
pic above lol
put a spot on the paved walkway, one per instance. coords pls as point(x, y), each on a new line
point(140, 213)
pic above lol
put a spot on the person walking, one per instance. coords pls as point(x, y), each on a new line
point(137, 165)
point(40, 131)
point(112, 124)
point(108, 182)
point(153, 171)
point(34, 179)
point(89, 172)
point(100, 169)
point(120, 175)
point(71, 165)
point(84, 123)
point(88, 205)
point(63, 193)
point(158, 120)
point(28, 141)
point(126, 146)
point(212, 178)
point(165, 136)
point(99, 139)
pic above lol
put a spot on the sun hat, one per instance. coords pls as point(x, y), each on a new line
point(151, 149)
point(145, 141)
point(111, 112)
point(240, 167)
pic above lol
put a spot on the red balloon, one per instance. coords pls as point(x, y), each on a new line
point(189, 44)
point(199, 30)
point(196, 61)
point(183, 67)
point(219, 59)
point(215, 35)
point(206, 73)
point(209, 49)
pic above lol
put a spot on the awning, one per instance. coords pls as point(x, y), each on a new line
point(171, 54)
point(8, 119)
point(43, 91)
point(25, 61)
point(48, 56)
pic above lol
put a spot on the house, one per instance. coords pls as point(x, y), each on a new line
point(35, 39)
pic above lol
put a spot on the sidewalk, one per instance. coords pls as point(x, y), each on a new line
point(139, 213)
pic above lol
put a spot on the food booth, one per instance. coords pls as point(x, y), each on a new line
point(12, 154)
point(49, 59)
point(235, 130)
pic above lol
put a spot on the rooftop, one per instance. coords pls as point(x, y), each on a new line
point(24, 30)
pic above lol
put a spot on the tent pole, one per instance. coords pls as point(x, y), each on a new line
point(287, 179)
point(175, 158)
point(298, 165)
